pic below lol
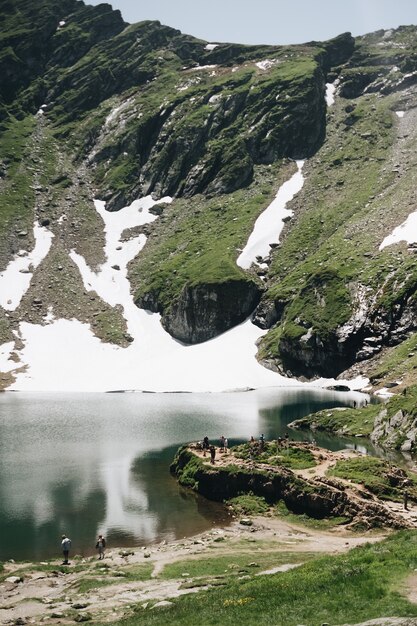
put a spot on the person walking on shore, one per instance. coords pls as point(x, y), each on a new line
point(66, 545)
point(100, 545)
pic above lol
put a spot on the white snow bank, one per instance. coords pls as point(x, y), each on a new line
point(407, 231)
point(330, 93)
point(15, 280)
point(211, 46)
point(64, 355)
point(400, 113)
point(270, 223)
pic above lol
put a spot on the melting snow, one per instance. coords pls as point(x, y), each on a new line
point(270, 223)
point(407, 231)
point(64, 355)
point(400, 113)
point(330, 92)
point(211, 46)
point(15, 280)
point(267, 64)
point(202, 67)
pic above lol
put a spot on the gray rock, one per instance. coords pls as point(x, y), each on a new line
point(14, 579)
point(162, 603)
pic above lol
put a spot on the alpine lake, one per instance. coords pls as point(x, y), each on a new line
point(84, 464)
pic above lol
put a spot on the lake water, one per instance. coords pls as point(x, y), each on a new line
point(85, 464)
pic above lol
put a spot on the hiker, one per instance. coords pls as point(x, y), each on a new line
point(222, 443)
point(206, 445)
point(100, 545)
point(405, 499)
point(212, 454)
point(262, 441)
point(66, 544)
point(226, 444)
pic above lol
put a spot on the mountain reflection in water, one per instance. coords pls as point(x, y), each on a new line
point(89, 463)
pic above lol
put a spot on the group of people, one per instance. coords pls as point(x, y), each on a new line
point(66, 546)
point(207, 447)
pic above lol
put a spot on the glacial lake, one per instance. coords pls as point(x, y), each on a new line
point(94, 463)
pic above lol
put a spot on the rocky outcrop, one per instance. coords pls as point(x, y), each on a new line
point(398, 431)
point(318, 497)
point(204, 311)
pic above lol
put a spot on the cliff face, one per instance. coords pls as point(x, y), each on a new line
point(93, 107)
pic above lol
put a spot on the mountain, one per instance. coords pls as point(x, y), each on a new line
point(94, 108)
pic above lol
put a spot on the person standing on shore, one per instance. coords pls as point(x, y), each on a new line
point(66, 545)
point(100, 545)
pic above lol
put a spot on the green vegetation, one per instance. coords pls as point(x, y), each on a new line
point(293, 457)
point(332, 244)
point(376, 475)
point(342, 421)
point(248, 504)
point(231, 564)
point(302, 519)
point(361, 585)
point(203, 242)
point(397, 362)
point(109, 576)
point(16, 194)
point(190, 465)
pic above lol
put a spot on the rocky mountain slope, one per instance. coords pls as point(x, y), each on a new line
point(91, 107)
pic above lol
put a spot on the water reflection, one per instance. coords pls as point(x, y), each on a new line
point(89, 463)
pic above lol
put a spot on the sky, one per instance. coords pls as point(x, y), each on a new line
point(270, 21)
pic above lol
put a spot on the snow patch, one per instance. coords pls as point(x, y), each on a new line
point(64, 355)
point(400, 113)
point(15, 280)
point(330, 93)
point(202, 67)
point(211, 46)
point(407, 231)
point(270, 223)
point(267, 64)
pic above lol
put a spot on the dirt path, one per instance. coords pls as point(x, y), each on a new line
point(54, 596)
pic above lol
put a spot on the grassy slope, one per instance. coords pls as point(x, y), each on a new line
point(361, 420)
point(354, 195)
point(324, 251)
point(198, 240)
point(363, 584)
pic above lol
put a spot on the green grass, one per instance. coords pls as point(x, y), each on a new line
point(338, 221)
point(342, 421)
point(327, 523)
point(248, 504)
point(350, 588)
point(397, 362)
point(113, 577)
point(377, 475)
point(16, 194)
point(233, 564)
point(293, 457)
point(204, 240)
